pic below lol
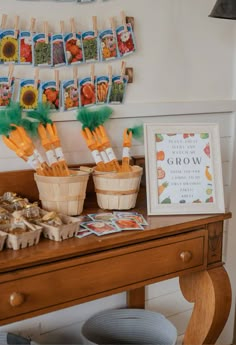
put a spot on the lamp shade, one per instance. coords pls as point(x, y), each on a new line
point(225, 9)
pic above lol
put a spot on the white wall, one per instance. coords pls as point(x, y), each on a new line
point(184, 64)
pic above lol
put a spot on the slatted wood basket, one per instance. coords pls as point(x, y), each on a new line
point(117, 191)
point(63, 194)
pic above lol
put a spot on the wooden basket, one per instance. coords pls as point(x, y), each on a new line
point(62, 232)
point(117, 191)
point(63, 194)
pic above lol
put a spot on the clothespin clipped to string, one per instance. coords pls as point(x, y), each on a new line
point(123, 19)
point(95, 26)
point(36, 78)
point(56, 74)
point(32, 25)
point(45, 29)
point(73, 28)
point(4, 21)
point(109, 67)
point(75, 76)
point(92, 75)
point(16, 26)
point(10, 73)
point(113, 26)
point(62, 26)
point(122, 70)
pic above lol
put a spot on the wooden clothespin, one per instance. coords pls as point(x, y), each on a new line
point(92, 76)
point(32, 25)
point(56, 73)
point(95, 26)
point(4, 21)
point(10, 73)
point(73, 27)
point(123, 18)
point(109, 74)
point(36, 77)
point(75, 76)
point(122, 70)
point(45, 28)
point(16, 26)
point(113, 26)
point(62, 26)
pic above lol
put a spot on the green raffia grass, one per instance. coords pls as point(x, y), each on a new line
point(93, 117)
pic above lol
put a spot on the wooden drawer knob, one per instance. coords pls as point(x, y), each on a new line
point(16, 299)
point(186, 256)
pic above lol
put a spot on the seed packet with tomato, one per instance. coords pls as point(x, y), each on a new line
point(90, 46)
point(58, 50)
point(125, 40)
point(73, 48)
point(6, 91)
point(25, 51)
point(49, 93)
point(117, 89)
point(28, 94)
point(107, 45)
point(102, 89)
point(70, 95)
point(9, 46)
point(42, 52)
point(87, 92)
point(127, 224)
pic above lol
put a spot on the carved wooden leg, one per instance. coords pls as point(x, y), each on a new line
point(211, 292)
point(136, 298)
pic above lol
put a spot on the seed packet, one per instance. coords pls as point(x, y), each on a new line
point(28, 94)
point(6, 91)
point(25, 51)
point(70, 95)
point(83, 233)
point(125, 40)
point(117, 90)
point(9, 46)
point(100, 228)
point(108, 45)
point(102, 88)
point(87, 92)
point(58, 50)
point(136, 217)
point(49, 93)
point(73, 48)
point(127, 224)
point(90, 46)
point(42, 53)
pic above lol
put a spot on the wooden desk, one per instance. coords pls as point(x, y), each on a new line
point(56, 275)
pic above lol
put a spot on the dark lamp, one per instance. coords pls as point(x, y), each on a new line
point(225, 9)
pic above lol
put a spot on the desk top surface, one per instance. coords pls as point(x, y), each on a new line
point(47, 251)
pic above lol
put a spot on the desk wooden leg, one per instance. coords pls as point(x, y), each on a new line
point(211, 292)
point(136, 298)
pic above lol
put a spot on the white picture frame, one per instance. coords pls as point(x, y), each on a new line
point(183, 168)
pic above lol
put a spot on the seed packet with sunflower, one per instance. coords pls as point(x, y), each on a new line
point(69, 95)
point(48, 93)
point(58, 50)
point(87, 92)
point(73, 48)
point(125, 40)
point(90, 45)
point(8, 46)
point(102, 88)
point(42, 53)
point(25, 50)
point(6, 91)
point(28, 94)
point(107, 45)
point(118, 89)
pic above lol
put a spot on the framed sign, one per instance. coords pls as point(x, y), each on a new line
point(183, 169)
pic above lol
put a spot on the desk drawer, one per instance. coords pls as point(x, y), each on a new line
point(49, 287)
